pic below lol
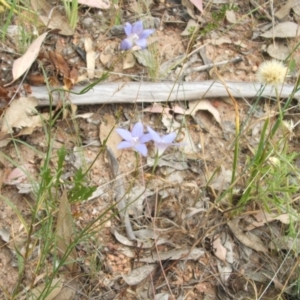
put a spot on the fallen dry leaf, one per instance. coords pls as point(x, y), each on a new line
point(19, 114)
point(70, 81)
point(139, 274)
point(144, 57)
point(19, 174)
point(286, 243)
point(194, 106)
point(222, 180)
point(23, 63)
point(162, 296)
point(283, 30)
point(74, 75)
point(51, 17)
point(219, 250)
point(198, 4)
point(4, 235)
point(36, 79)
point(265, 217)
point(225, 271)
point(127, 242)
point(85, 116)
point(90, 57)
point(60, 63)
point(129, 61)
point(230, 16)
point(285, 9)
point(135, 200)
point(68, 84)
point(65, 232)
point(279, 50)
point(248, 239)
point(176, 254)
point(4, 94)
point(35, 121)
point(107, 55)
point(159, 109)
point(102, 4)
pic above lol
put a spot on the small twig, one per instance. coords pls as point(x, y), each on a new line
point(197, 50)
point(217, 64)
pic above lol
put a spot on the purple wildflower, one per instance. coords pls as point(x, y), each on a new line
point(162, 142)
point(136, 35)
point(135, 139)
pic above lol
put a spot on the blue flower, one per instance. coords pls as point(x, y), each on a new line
point(136, 35)
point(162, 142)
point(135, 139)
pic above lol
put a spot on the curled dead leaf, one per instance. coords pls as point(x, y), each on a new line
point(194, 106)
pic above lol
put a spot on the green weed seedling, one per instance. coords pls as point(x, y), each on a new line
point(50, 228)
point(71, 8)
point(8, 17)
point(217, 17)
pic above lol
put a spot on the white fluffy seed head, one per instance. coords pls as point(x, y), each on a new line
point(272, 72)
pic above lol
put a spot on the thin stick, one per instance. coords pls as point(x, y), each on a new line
point(217, 64)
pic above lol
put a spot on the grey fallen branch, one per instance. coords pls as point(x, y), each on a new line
point(137, 92)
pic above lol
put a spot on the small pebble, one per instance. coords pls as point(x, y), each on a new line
point(110, 257)
point(87, 22)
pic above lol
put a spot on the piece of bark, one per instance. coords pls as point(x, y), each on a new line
point(137, 92)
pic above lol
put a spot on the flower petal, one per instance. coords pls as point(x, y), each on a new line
point(128, 29)
point(169, 138)
point(126, 44)
point(146, 33)
point(155, 136)
point(138, 27)
point(141, 148)
point(124, 145)
point(146, 138)
point(125, 134)
point(137, 130)
point(160, 147)
point(142, 43)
